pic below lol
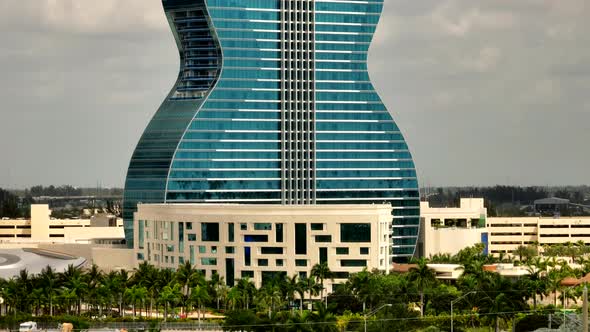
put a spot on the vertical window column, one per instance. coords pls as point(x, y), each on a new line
point(297, 102)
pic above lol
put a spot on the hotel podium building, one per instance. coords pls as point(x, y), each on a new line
point(273, 105)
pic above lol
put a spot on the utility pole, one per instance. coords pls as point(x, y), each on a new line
point(585, 310)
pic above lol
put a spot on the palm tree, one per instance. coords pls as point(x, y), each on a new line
point(67, 296)
point(135, 294)
point(25, 286)
point(170, 295)
point(123, 280)
point(535, 283)
point(75, 284)
point(147, 276)
point(233, 297)
point(49, 283)
point(423, 277)
point(187, 276)
point(10, 292)
point(37, 295)
point(247, 289)
point(361, 284)
point(216, 285)
point(321, 272)
point(199, 295)
point(309, 285)
point(554, 283)
point(524, 252)
point(93, 278)
point(292, 287)
point(327, 320)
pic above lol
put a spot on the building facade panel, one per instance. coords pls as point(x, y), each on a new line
point(259, 240)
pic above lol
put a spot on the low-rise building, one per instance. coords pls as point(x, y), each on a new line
point(450, 229)
point(41, 228)
point(98, 240)
point(508, 233)
point(259, 241)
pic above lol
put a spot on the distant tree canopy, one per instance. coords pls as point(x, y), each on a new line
point(506, 200)
point(65, 190)
point(70, 191)
point(11, 206)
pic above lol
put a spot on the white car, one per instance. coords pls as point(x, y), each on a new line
point(28, 327)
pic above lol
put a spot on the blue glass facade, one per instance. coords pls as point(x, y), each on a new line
point(273, 104)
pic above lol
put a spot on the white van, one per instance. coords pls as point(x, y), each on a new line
point(27, 327)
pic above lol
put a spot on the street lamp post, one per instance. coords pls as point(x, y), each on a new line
point(374, 312)
point(455, 301)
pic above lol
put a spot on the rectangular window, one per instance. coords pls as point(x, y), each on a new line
point(140, 256)
point(279, 262)
point(172, 259)
point(229, 272)
point(243, 226)
point(230, 232)
point(247, 274)
point(230, 250)
point(341, 275)
point(202, 250)
point(247, 256)
point(180, 260)
point(323, 255)
point(169, 248)
point(364, 251)
point(302, 274)
point(300, 239)
point(323, 238)
point(353, 263)
point(355, 232)
point(341, 251)
point(141, 232)
point(263, 262)
point(210, 232)
point(301, 262)
point(262, 226)
point(271, 250)
point(189, 225)
point(208, 261)
point(213, 249)
point(180, 237)
point(255, 238)
point(192, 237)
point(192, 254)
point(317, 227)
point(279, 232)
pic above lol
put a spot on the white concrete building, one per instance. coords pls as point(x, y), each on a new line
point(450, 229)
point(258, 241)
point(99, 240)
point(506, 234)
point(41, 228)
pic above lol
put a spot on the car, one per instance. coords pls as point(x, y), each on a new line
point(28, 327)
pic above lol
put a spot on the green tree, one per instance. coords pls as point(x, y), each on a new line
point(310, 286)
point(423, 277)
point(321, 272)
point(199, 296)
point(134, 295)
point(169, 296)
point(49, 284)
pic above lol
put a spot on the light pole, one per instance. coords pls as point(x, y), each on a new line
point(374, 312)
point(455, 301)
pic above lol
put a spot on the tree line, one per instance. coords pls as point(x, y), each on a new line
point(12, 206)
point(408, 301)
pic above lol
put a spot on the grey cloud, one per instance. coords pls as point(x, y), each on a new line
point(485, 92)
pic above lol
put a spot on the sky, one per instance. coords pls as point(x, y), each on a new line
point(485, 92)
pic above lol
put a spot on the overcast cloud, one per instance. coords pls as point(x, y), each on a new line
point(486, 92)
